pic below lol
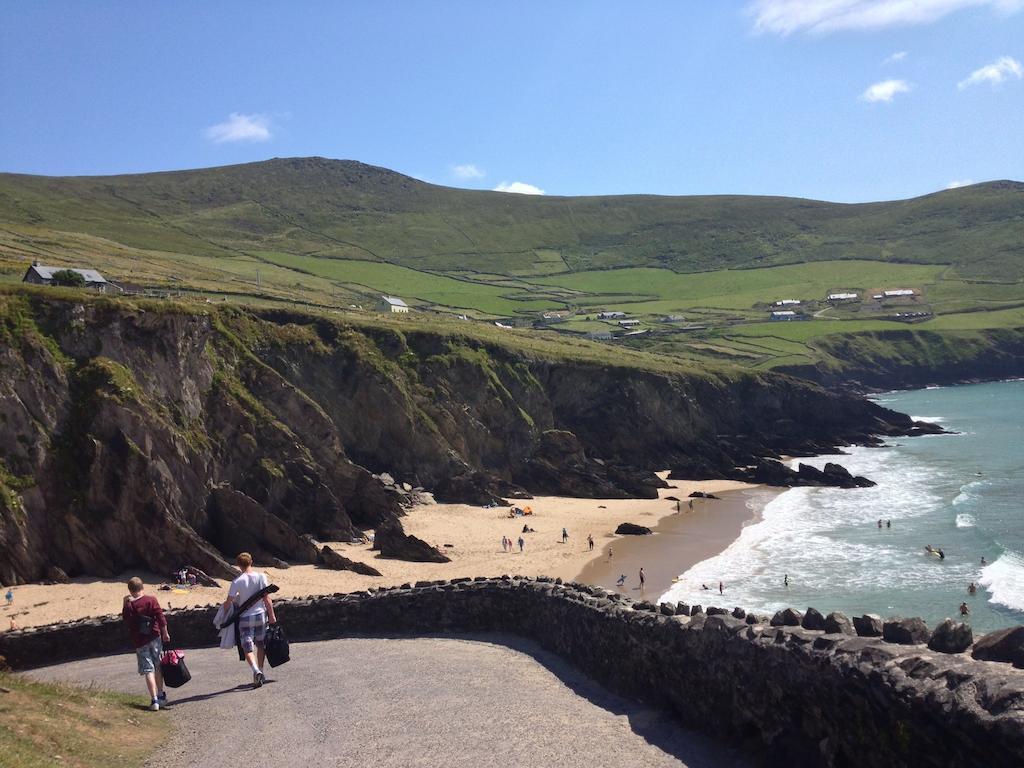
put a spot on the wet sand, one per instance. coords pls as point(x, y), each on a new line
point(680, 541)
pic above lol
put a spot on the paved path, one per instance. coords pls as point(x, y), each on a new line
point(394, 703)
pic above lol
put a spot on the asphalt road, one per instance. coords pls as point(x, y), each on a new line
point(394, 703)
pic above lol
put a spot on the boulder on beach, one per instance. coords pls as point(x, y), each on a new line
point(951, 637)
point(868, 625)
point(813, 619)
point(632, 529)
point(393, 541)
point(905, 631)
point(838, 623)
point(1002, 645)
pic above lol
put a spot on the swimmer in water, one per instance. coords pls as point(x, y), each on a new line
point(972, 590)
point(983, 561)
point(965, 609)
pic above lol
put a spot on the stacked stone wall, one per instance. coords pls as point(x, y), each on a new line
point(797, 696)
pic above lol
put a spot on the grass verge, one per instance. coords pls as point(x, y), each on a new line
point(46, 724)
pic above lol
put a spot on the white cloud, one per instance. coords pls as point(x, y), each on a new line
point(467, 171)
point(884, 91)
point(957, 183)
point(240, 127)
point(823, 16)
point(519, 187)
point(998, 71)
point(898, 56)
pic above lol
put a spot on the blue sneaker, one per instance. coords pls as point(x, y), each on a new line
point(162, 697)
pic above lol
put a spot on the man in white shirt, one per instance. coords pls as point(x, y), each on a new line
point(252, 625)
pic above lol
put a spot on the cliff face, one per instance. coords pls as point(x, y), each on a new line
point(910, 359)
point(138, 435)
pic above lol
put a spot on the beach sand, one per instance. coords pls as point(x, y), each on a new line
point(475, 535)
point(678, 542)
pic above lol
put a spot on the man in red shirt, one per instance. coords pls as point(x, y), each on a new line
point(147, 627)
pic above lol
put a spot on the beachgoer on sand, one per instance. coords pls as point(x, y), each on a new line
point(147, 628)
point(252, 624)
point(590, 541)
point(521, 543)
point(504, 543)
point(565, 535)
point(621, 581)
point(643, 578)
point(9, 597)
point(14, 624)
point(609, 553)
point(691, 505)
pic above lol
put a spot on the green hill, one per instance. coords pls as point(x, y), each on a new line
point(336, 234)
point(344, 209)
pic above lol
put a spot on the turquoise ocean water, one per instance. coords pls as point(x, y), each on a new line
point(962, 492)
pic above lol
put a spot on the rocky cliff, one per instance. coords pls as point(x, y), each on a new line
point(911, 359)
point(137, 434)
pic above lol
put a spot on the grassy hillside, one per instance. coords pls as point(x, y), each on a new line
point(342, 209)
point(42, 724)
point(699, 273)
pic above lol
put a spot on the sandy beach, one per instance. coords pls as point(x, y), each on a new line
point(474, 533)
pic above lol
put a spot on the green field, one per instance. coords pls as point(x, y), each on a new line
point(336, 235)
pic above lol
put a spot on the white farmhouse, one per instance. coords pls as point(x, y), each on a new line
point(392, 304)
point(898, 292)
point(37, 274)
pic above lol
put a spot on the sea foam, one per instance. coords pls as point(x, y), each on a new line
point(1004, 579)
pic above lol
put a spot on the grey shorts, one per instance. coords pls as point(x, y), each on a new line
point(252, 630)
point(149, 655)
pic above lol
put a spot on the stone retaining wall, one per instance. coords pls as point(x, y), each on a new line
point(798, 696)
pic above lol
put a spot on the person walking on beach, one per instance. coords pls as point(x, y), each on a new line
point(565, 535)
point(691, 505)
point(504, 544)
point(643, 579)
point(9, 597)
point(590, 542)
point(147, 628)
point(609, 553)
point(521, 543)
point(252, 624)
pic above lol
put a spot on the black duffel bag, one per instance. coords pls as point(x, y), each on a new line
point(172, 667)
point(275, 644)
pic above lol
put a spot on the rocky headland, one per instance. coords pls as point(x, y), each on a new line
point(142, 434)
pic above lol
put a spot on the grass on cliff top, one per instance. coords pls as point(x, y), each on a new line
point(542, 345)
point(45, 724)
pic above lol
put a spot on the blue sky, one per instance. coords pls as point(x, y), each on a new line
point(843, 100)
